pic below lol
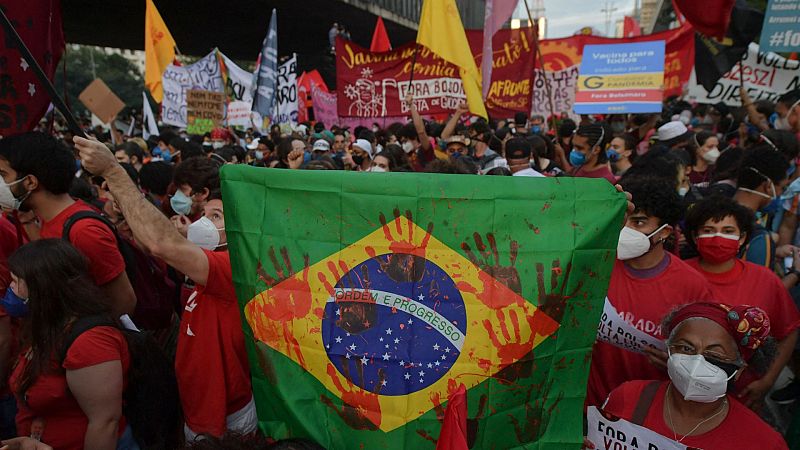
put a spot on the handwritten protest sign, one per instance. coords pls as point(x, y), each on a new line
point(205, 75)
point(101, 101)
point(621, 78)
point(324, 105)
point(618, 332)
point(287, 92)
point(781, 30)
point(238, 114)
point(620, 434)
point(204, 110)
point(766, 77)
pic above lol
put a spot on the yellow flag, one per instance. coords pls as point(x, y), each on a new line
point(440, 30)
point(159, 50)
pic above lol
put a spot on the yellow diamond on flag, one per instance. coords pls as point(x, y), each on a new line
point(389, 322)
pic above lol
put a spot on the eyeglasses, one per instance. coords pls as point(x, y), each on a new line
point(686, 349)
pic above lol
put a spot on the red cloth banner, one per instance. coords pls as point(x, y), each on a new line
point(23, 100)
point(374, 84)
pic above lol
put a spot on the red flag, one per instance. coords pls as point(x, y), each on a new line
point(630, 27)
point(23, 100)
point(709, 17)
point(454, 428)
point(380, 40)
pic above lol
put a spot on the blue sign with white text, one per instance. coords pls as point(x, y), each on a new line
point(781, 30)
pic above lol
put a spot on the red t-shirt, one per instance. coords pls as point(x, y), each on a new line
point(49, 397)
point(211, 361)
point(604, 172)
point(741, 429)
point(93, 238)
point(642, 302)
point(750, 284)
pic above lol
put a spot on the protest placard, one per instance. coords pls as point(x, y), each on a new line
point(204, 110)
point(766, 77)
point(287, 92)
point(618, 332)
point(101, 101)
point(324, 104)
point(621, 78)
point(205, 75)
point(237, 113)
point(781, 30)
point(619, 434)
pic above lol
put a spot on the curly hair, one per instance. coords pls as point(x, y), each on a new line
point(762, 162)
point(716, 208)
point(655, 197)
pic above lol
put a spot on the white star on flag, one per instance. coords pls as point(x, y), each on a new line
point(436, 346)
point(381, 339)
point(347, 356)
point(31, 89)
point(422, 373)
point(421, 297)
point(364, 360)
point(23, 64)
point(436, 363)
point(410, 322)
point(402, 363)
point(352, 347)
point(407, 376)
point(338, 339)
point(396, 341)
point(388, 331)
point(383, 383)
point(447, 350)
point(430, 366)
point(385, 356)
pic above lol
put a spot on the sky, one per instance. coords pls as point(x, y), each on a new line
point(567, 16)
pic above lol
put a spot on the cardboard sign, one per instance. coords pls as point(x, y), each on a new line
point(205, 74)
point(204, 110)
point(616, 331)
point(781, 30)
point(621, 78)
point(98, 98)
point(765, 75)
point(621, 434)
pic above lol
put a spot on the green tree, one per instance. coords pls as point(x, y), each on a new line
point(84, 62)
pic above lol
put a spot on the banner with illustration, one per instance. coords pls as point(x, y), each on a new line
point(205, 74)
point(765, 75)
point(374, 84)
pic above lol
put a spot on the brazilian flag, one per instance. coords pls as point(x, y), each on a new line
point(369, 298)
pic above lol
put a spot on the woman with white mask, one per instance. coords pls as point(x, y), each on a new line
point(709, 344)
point(705, 157)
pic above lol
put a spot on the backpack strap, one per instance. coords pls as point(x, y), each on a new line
point(645, 401)
point(79, 327)
point(127, 257)
point(80, 215)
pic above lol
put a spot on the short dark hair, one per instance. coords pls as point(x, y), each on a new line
point(598, 134)
point(784, 141)
point(156, 176)
point(167, 137)
point(759, 163)
point(655, 197)
point(659, 162)
point(43, 156)
point(408, 131)
point(716, 208)
point(790, 97)
point(198, 173)
point(132, 149)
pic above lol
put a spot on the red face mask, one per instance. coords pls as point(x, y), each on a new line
point(717, 248)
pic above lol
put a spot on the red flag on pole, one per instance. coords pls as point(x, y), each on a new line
point(710, 17)
point(23, 99)
point(454, 428)
point(380, 39)
point(630, 27)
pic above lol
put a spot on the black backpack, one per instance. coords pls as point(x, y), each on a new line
point(151, 404)
point(157, 290)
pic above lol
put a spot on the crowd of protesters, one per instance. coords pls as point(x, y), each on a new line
point(98, 238)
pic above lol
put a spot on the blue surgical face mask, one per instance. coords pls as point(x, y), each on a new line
point(612, 155)
point(77, 165)
point(536, 129)
point(772, 207)
point(156, 151)
point(14, 305)
point(577, 158)
point(167, 156)
point(181, 203)
point(307, 157)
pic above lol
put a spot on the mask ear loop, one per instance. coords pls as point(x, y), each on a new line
point(769, 142)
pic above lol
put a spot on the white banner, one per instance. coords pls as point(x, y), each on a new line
point(287, 92)
point(766, 76)
point(239, 85)
point(621, 434)
point(202, 75)
point(619, 333)
point(563, 84)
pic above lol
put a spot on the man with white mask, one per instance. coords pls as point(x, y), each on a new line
point(211, 361)
point(646, 283)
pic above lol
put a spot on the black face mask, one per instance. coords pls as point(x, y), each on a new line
point(728, 367)
point(358, 159)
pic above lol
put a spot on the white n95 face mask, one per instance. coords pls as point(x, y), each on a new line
point(633, 244)
point(697, 379)
point(204, 233)
point(7, 198)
